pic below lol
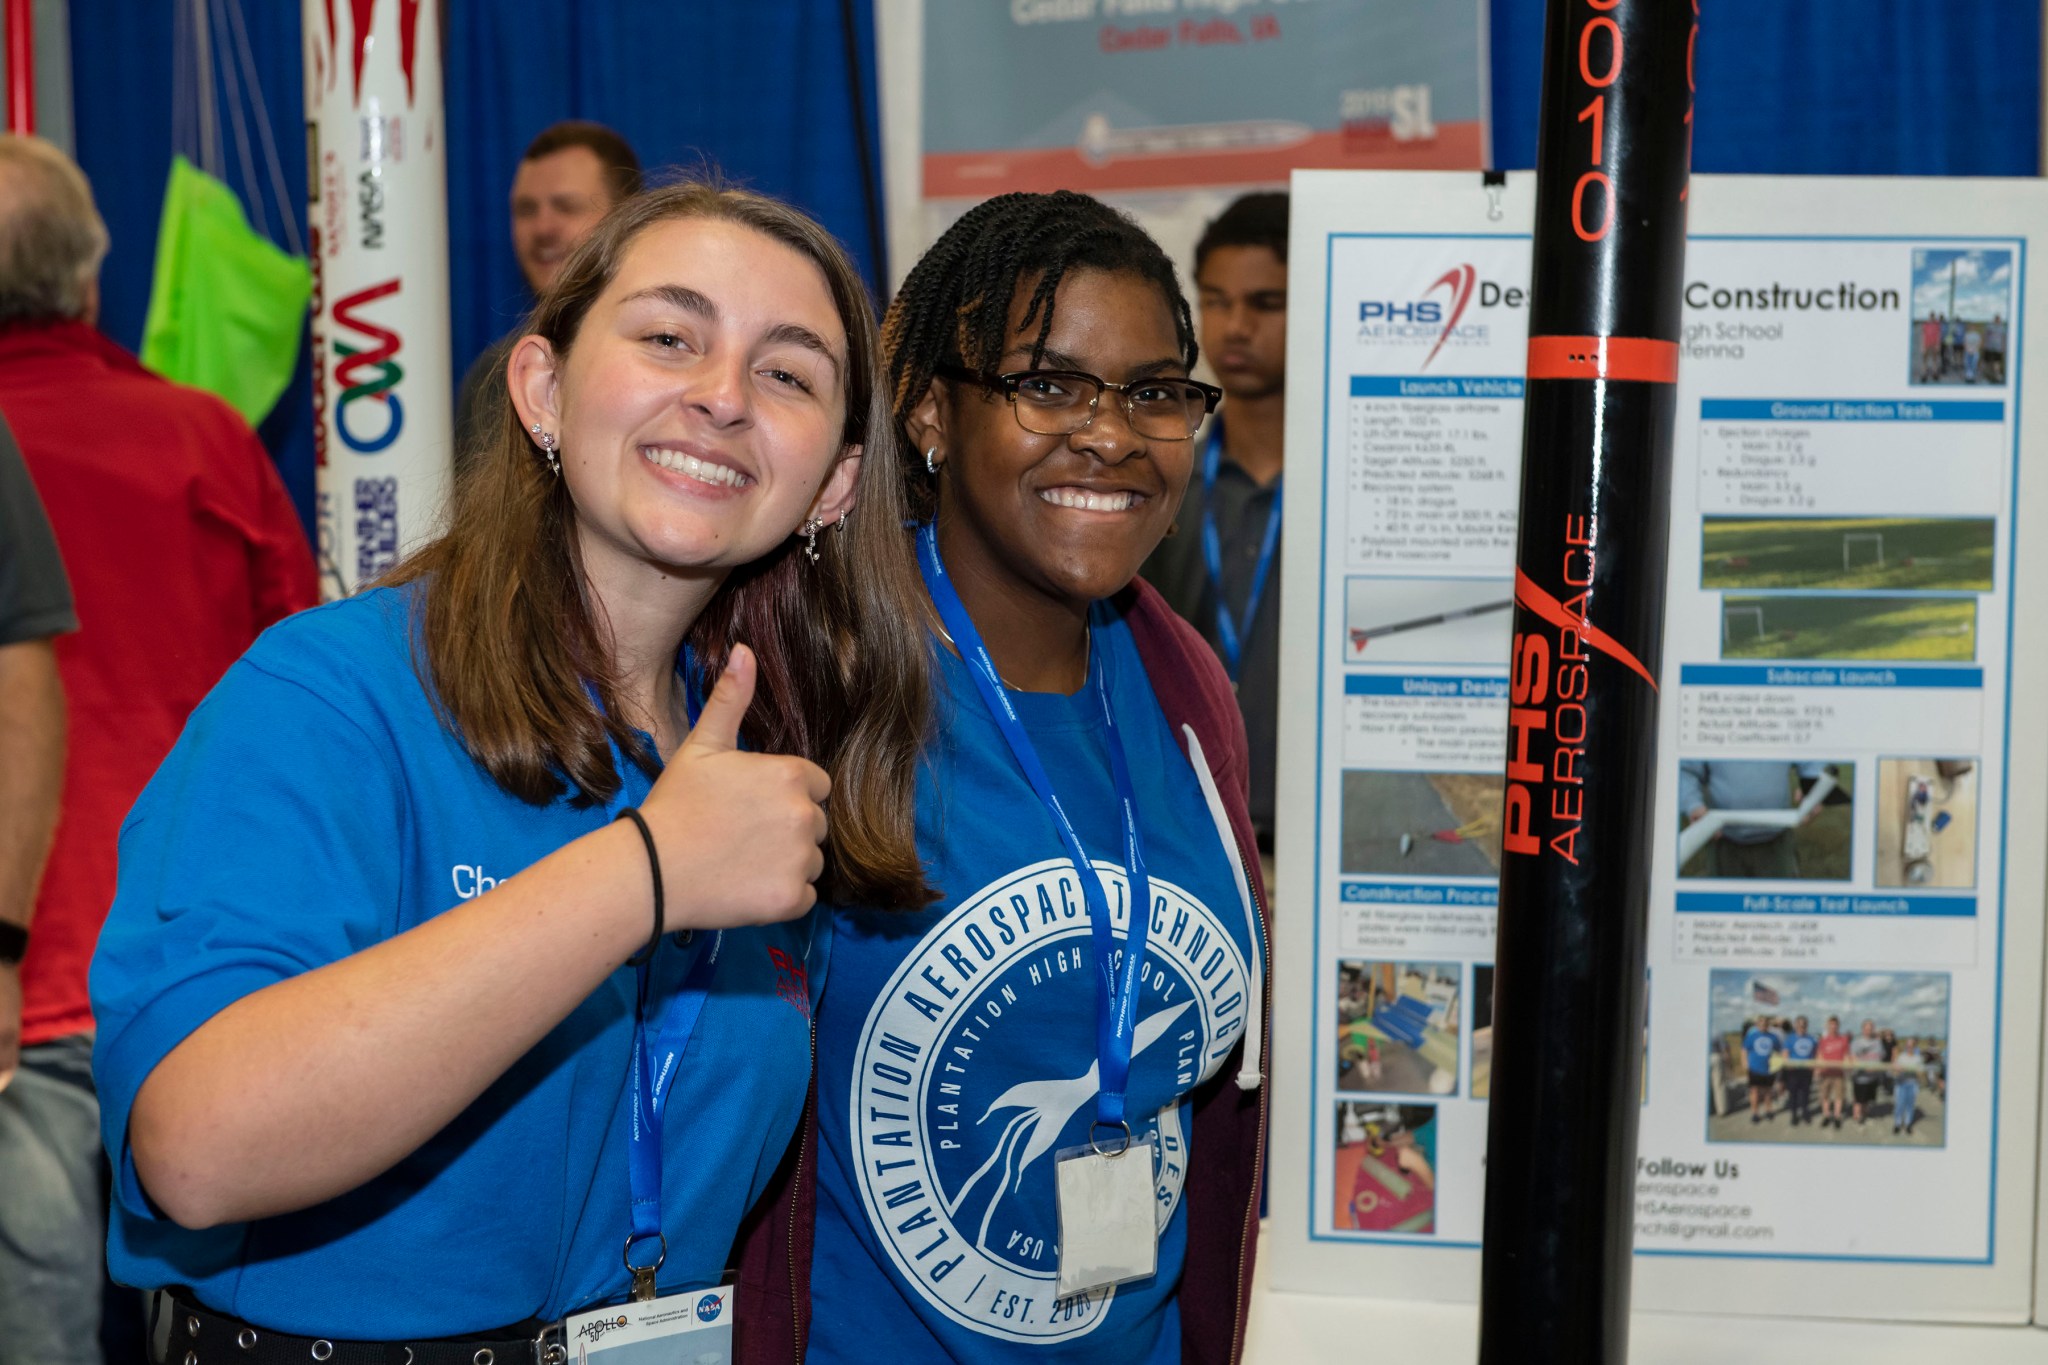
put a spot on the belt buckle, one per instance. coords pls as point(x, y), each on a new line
point(547, 1346)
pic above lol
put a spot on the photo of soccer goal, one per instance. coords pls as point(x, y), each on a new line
point(1854, 553)
point(1846, 626)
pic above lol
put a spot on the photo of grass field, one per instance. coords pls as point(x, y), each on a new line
point(1861, 553)
point(1846, 627)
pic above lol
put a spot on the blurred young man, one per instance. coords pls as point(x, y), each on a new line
point(1801, 1048)
point(1221, 567)
point(568, 179)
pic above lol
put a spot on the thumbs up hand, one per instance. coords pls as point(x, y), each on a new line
point(739, 833)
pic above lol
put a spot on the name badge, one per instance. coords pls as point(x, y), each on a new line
point(1109, 1233)
point(691, 1328)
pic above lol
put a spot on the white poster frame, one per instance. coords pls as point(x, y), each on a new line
point(2001, 1290)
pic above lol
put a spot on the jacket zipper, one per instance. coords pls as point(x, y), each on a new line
point(1251, 1212)
point(803, 1143)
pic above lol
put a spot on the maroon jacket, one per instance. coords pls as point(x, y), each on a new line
point(1228, 1142)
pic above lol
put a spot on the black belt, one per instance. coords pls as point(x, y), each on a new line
point(184, 1333)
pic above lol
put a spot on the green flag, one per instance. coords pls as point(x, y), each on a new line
point(228, 307)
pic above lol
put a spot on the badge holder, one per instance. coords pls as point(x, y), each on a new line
point(691, 1327)
point(1109, 1232)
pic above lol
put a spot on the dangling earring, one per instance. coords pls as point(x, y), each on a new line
point(931, 462)
point(810, 535)
point(548, 443)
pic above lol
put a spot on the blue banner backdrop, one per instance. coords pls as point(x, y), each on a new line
point(762, 89)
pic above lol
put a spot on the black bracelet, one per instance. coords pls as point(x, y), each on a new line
point(13, 943)
point(654, 866)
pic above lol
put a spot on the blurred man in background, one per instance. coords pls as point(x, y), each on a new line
point(1221, 567)
point(569, 178)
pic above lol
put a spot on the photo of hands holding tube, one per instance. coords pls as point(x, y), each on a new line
point(1765, 818)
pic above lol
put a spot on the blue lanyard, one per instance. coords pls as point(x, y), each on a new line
point(657, 1053)
point(1116, 992)
point(1212, 552)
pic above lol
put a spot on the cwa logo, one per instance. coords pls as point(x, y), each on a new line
point(955, 1148)
point(367, 373)
point(1434, 317)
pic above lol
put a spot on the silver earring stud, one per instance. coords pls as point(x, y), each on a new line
point(810, 535)
point(549, 444)
point(931, 462)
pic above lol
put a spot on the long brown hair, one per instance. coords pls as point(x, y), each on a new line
point(512, 648)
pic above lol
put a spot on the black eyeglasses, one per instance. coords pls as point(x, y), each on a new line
point(1062, 402)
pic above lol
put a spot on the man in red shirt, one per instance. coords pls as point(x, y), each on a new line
point(181, 546)
point(1832, 1048)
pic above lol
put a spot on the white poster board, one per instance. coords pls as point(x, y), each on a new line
point(1169, 109)
point(1852, 600)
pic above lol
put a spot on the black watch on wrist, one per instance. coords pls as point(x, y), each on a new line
point(13, 943)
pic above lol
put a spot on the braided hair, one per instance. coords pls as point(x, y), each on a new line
point(954, 309)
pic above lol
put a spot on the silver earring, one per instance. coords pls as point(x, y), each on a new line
point(844, 517)
point(931, 462)
point(810, 535)
point(549, 442)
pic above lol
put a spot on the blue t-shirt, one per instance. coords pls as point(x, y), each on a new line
point(316, 805)
point(1759, 1044)
point(1801, 1047)
point(956, 1046)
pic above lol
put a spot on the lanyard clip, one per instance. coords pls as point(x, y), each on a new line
point(643, 1276)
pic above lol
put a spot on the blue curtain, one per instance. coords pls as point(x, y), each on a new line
point(1828, 87)
point(765, 90)
point(122, 61)
point(760, 90)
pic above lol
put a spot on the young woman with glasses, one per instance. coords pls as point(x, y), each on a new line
point(435, 1006)
point(1039, 1100)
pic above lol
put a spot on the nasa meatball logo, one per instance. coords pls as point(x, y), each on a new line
point(955, 1143)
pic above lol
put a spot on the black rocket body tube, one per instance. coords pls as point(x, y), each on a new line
point(1612, 165)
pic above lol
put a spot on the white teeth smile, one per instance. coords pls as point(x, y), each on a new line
point(1084, 501)
point(701, 470)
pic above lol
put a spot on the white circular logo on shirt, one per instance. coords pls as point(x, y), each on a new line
point(955, 1150)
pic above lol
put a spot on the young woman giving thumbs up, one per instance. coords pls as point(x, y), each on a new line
point(460, 976)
